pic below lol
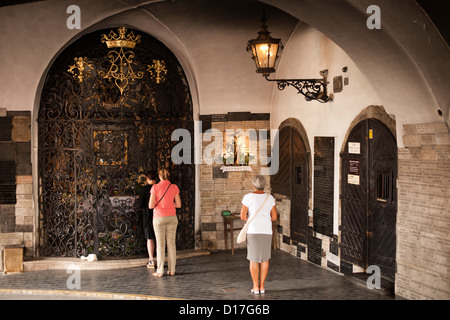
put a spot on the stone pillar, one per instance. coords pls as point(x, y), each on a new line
point(423, 218)
point(16, 207)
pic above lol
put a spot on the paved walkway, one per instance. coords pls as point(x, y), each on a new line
point(217, 276)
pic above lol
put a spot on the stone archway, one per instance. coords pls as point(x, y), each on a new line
point(293, 178)
point(369, 194)
point(95, 143)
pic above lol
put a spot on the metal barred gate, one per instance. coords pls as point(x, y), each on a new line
point(95, 145)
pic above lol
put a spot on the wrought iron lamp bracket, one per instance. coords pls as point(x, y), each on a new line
point(312, 89)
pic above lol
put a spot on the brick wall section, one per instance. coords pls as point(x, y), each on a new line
point(326, 246)
point(423, 219)
point(221, 191)
point(17, 217)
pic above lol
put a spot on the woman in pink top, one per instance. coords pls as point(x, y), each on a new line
point(164, 199)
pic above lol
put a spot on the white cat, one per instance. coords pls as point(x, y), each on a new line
point(91, 257)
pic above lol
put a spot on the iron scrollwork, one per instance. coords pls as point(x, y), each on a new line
point(312, 89)
point(95, 144)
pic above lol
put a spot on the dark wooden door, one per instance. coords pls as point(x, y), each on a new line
point(368, 197)
point(354, 197)
point(292, 180)
point(382, 198)
point(281, 181)
point(299, 202)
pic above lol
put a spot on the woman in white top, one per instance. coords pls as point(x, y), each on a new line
point(259, 234)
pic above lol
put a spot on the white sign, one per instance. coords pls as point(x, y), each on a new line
point(353, 179)
point(354, 147)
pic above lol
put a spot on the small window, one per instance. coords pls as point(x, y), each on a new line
point(384, 186)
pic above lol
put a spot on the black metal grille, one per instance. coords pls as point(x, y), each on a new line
point(95, 145)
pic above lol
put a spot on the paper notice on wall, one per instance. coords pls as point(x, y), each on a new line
point(354, 147)
point(353, 167)
point(353, 179)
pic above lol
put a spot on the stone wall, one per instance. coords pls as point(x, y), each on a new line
point(16, 207)
point(220, 190)
point(423, 219)
point(321, 249)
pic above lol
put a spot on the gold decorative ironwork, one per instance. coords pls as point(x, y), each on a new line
point(121, 61)
point(122, 40)
point(158, 71)
point(121, 69)
point(80, 68)
point(94, 142)
point(111, 147)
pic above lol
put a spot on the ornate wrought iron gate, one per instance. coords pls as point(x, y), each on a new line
point(95, 144)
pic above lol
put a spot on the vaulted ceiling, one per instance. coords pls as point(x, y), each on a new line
point(407, 62)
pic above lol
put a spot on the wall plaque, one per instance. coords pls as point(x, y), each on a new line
point(315, 250)
point(353, 166)
point(7, 172)
point(354, 147)
point(353, 176)
point(323, 185)
point(353, 179)
point(7, 194)
point(337, 84)
point(5, 128)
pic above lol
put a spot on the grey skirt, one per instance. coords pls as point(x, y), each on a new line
point(259, 247)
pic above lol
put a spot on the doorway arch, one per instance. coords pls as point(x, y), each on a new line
point(369, 197)
point(95, 145)
point(293, 178)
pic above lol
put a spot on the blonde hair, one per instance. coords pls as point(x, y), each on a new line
point(163, 173)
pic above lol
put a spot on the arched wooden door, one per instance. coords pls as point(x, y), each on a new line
point(369, 197)
point(292, 179)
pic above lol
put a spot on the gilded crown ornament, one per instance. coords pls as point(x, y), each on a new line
point(121, 61)
point(122, 40)
point(121, 68)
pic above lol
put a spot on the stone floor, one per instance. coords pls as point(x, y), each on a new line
point(216, 276)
